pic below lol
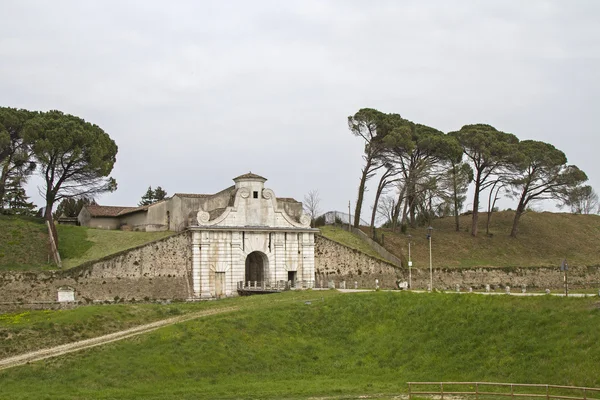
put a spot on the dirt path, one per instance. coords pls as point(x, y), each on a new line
point(100, 340)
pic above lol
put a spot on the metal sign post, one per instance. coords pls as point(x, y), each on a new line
point(564, 266)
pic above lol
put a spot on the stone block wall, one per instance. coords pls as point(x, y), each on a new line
point(338, 263)
point(156, 270)
point(535, 278)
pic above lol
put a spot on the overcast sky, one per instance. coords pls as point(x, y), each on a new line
point(197, 92)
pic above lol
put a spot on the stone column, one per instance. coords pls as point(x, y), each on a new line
point(196, 263)
point(205, 289)
point(279, 270)
point(308, 258)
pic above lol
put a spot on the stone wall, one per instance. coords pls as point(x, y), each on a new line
point(538, 278)
point(156, 270)
point(338, 263)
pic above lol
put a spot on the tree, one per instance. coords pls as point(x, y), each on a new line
point(489, 150)
point(15, 200)
point(159, 194)
point(152, 196)
point(147, 198)
point(541, 173)
point(366, 124)
point(582, 200)
point(75, 157)
point(422, 158)
point(70, 207)
point(15, 151)
point(454, 184)
point(311, 205)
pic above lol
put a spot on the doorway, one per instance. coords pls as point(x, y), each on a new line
point(256, 266)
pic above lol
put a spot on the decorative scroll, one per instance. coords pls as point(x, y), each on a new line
point(244, 193)
point(268, 194)
point(305, 220)
point(203, 217)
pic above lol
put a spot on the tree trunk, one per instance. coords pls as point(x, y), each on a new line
point(380, 187)
point(519, 212)
point(3, 179)
point(455, 197)
point(396, 212)
point(361, 193)
point(48, 217)
point(476, 205)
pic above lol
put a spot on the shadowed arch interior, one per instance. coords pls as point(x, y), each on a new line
point(256, 266)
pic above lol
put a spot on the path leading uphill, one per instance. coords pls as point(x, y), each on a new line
point(100, 340)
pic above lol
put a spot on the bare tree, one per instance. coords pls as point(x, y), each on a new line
point(385, 209)
point(311, 205)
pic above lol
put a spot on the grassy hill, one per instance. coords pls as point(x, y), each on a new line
point(340, 345)
point(24, 243)
point(544, 240)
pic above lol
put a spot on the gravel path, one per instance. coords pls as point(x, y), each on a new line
point(101, 340)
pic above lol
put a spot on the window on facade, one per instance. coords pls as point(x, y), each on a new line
point(255, 195)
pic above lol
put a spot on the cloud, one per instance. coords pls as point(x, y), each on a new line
point(195, 93)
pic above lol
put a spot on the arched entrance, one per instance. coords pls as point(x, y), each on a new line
point(257, 265)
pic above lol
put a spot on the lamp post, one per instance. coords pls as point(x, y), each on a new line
point(429, 231)
point(409, 264)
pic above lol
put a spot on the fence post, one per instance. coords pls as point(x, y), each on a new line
point(476, 390)
point(512, 393)
point(409, 392)
point(442, 389)
point(547, 393)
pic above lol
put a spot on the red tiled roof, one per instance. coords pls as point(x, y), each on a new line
point(107, 211)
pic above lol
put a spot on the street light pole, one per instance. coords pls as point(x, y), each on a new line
point(429, 231)
point(409, 264)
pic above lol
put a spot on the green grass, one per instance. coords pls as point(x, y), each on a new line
point(345, 345)
point(348, 239)
point(25, 331)
point(544, 239)
point(79, 244)
point(23, 243)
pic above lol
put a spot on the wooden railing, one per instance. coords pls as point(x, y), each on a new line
point(489, 389)
point(281, 285)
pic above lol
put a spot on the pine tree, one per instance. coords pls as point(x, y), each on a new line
point(159, 194)
point(147, 198)
point(152, 196)
point(15, 199)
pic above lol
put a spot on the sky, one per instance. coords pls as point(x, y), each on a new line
point(195, 93)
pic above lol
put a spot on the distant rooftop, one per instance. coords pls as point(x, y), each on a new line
point(250, 176)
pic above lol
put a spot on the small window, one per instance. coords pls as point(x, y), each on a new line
point(255, 194)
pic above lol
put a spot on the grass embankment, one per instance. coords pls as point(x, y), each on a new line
point(348, 239)
point(24, 243)
point(544, 239)
point(78, 244)
point(348, 344)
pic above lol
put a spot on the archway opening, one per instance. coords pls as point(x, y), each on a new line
point(256, 267)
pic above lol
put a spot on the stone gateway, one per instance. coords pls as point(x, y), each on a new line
point(242, 238)
point(251, 243)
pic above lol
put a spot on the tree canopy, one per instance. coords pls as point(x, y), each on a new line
point(489, 151)
point(152, 196)
point(75, 157)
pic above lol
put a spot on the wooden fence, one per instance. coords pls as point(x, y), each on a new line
point(489, 390)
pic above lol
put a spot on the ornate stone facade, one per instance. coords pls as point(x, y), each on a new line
point(253, 240)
